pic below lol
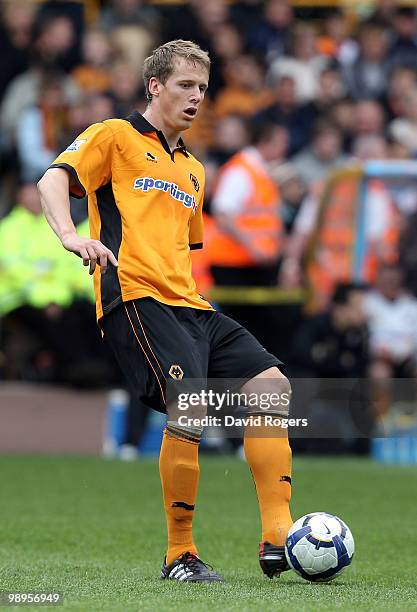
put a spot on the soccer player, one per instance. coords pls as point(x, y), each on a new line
point(145, 199)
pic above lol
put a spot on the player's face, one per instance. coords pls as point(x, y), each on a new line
point(181, 95)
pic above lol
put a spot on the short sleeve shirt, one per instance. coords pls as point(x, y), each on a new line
point(145, 204)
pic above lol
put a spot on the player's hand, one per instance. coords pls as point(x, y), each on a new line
point(92, 252)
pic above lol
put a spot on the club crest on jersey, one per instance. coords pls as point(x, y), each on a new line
point(176, 372)
point(147, 183)
point(151, 157)
point(195, 182)
point(75, 146)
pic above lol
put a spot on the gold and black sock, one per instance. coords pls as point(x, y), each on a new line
point(268, 454)
point(179, 471)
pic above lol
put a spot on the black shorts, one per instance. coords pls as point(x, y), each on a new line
point(154, 342)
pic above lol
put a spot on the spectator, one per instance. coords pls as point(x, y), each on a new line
point(34, 270)
point(270, 37)
point(245, 92)
point(128, 12)
point(126, 89)
point(381, 215)
point(404, 129)
point(246, 14)
point(392, 315)
point(195, 20)
point(248, 243)
point(368, 118)
point(43, 293)
point(199, 21)
point(384, 12)
point(335, 42)
point(292, 189)
point(334, 234)
point(369, 146)
point(403, 48)
point(76, 122)
point(40, 130)
point(286, 110)
point(324, 154)
point(398, 147)
point(245, 201)
point(330, 91)
point(303, 63)
point(93, 74)
point(227, 42)
point(334, 344)
point(401, 82)
point(342, 115)
point(132, 44)
point(15, 34)
point(213, 20)
point(231, 135)
point(367, 76)
point(53, 40)
point(100, 108)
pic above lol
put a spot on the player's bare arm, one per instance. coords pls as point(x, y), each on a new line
point(53, 190)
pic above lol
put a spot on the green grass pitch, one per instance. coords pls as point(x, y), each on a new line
point(95, 530)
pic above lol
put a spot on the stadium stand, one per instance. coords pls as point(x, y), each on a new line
point(339, 78)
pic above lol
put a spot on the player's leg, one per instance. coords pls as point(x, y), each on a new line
point(179, 471)
point(157, 334)
point(161, 338)
point(268, 454)
point(236, 354)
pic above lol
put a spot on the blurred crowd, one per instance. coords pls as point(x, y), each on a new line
point(295, 94)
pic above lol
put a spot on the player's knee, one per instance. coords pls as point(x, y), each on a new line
point(272, 390)
point(186, 423)
point(280, 396)
point(283, 388)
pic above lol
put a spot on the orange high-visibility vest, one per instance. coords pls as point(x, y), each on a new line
point(332, 261)
point(259, 220)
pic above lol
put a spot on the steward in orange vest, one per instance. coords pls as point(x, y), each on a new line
point(333, 257)
point(246, 205)
point(247, 245)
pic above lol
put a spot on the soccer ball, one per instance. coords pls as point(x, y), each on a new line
point(319, 547)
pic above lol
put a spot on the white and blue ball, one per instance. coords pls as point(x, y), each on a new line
point(319, 547)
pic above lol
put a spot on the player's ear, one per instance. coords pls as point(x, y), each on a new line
point(154, 86)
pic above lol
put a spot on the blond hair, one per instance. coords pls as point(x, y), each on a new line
point(161, 63)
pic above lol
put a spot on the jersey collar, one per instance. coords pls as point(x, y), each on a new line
point(143, 126)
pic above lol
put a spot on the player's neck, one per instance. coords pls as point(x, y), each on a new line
point(154, 117)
